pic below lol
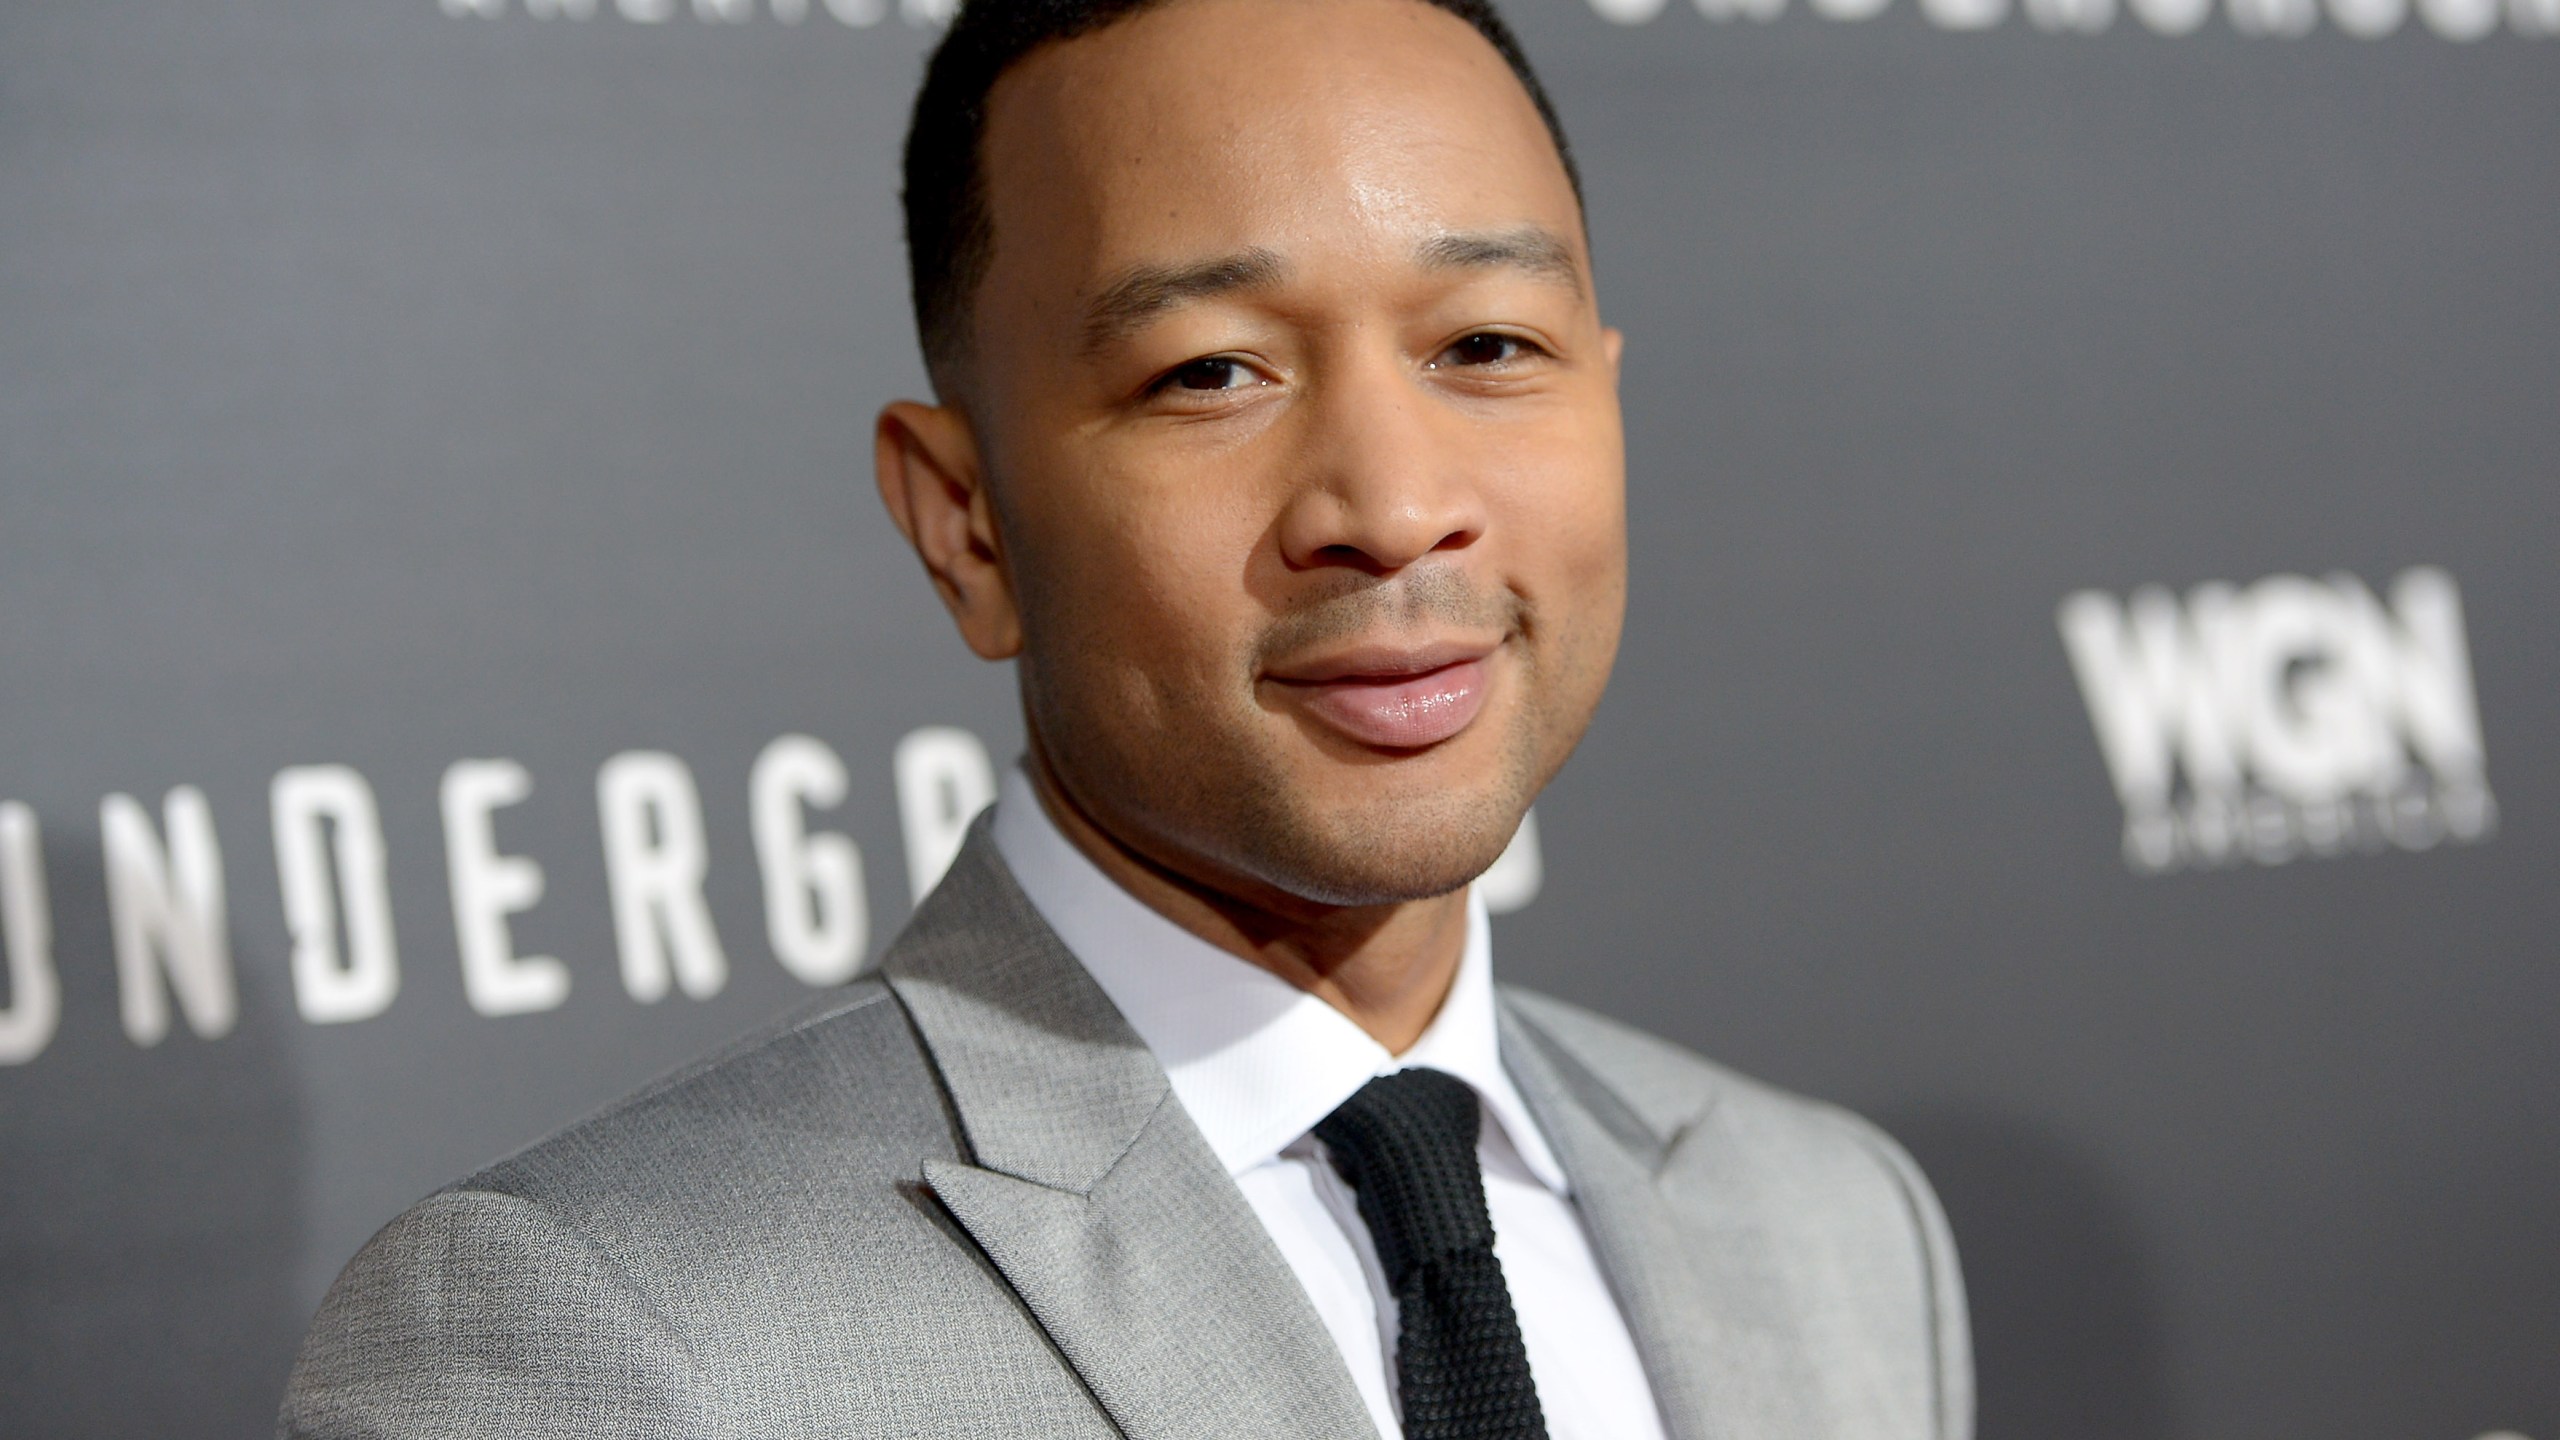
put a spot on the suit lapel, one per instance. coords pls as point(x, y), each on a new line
point(1709, 1317)
point(1089, 1189)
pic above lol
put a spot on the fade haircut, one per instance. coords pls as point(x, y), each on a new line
point(950, 236)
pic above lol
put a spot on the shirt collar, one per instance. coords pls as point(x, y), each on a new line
point(1255, 1060)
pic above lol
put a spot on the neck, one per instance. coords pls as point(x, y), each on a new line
point(1385, 967)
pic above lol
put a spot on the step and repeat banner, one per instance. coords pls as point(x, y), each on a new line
point(2089, 699)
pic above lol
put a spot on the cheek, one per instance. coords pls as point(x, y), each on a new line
point(1139, 582)
point(1565, 508)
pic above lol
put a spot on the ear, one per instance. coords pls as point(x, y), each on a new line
point(1614, 342)
point(935, 488)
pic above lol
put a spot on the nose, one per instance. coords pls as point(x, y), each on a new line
point(1389, 478)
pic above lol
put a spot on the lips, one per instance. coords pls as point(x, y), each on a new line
point(1394, 700)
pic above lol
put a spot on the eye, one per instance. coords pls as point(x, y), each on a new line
point(1215, 372)
point(1485, 349)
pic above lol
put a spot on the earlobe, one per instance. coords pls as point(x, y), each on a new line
point(927, 461)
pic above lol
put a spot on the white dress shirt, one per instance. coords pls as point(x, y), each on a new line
point(1257, 1062)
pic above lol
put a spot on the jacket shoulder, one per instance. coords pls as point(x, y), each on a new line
point(844, 1070)
point(476, 1313)
point(743, 1247)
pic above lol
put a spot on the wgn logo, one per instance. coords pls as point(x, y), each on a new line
point(2304, 716)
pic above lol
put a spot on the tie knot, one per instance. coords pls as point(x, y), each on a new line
point(1407, 1143)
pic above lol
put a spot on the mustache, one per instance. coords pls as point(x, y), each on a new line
point(1439, 597)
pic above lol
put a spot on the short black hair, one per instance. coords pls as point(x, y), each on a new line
point(950, 237)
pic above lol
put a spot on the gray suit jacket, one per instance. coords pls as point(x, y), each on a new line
point(960, 1199)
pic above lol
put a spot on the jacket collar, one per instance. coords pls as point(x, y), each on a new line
point(1090, 1191)
point(1698, 1285)
point(1050, 1083)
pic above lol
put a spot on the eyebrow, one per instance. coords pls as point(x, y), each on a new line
point(1146, 291)
point(1143, 293)
point(1531, 248)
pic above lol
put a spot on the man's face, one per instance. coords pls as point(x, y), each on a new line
point(1302, 434)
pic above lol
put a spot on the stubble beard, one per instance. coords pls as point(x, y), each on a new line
point(1393, 850)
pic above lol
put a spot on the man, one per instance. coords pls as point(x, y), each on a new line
point(1278, 447)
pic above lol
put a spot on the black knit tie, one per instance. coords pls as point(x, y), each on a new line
point(1407, 1144)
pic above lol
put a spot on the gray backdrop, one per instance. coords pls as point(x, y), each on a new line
point(384, 383)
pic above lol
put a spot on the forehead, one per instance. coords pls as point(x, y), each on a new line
point(1290, 126)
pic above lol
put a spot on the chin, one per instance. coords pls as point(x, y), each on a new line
point(1387, 850)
